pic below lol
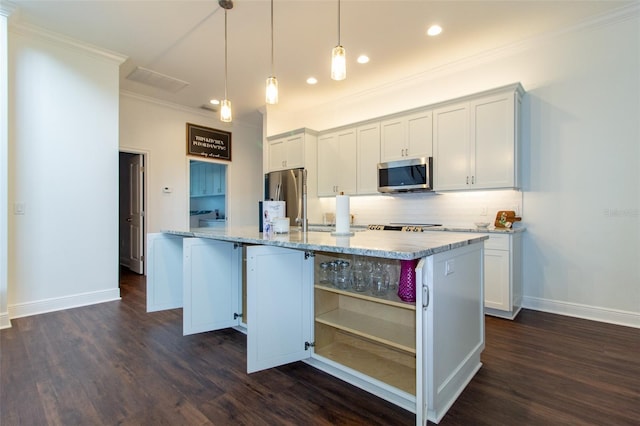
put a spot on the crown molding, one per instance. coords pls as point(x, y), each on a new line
point(29, 30)
point(7, 8)
point(183, 108)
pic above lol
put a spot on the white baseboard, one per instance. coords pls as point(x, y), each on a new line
point(595, 313)
point(5, 322)
point(61, 303)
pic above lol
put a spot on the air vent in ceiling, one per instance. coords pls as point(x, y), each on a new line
point(155, 79)
point(209, 107)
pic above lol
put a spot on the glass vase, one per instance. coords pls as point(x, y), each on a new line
point(407, 284)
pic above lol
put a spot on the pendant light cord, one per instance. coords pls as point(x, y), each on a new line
point(225, 53)
point(339, 23)
point(272, 73)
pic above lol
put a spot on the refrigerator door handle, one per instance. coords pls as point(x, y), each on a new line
point(277, 194)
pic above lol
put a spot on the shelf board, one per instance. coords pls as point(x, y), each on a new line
point(379, 367)
point(390, 299)
point(392, 334)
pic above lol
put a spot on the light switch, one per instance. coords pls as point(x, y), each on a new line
point(19, 208)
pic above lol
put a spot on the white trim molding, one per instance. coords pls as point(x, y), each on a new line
point(7, 8)
point(5, 322)
point(29, 30)
point(62, 303)
point(594, 313)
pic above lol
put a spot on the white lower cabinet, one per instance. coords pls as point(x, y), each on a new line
point(503, 275)
point(419, 355)
point(452, 327)
point(370, 335)
point(279, 298)
point(200, 275)
point(164, 272)
point(212, 275)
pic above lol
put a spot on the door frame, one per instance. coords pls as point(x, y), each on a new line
point(145, 161)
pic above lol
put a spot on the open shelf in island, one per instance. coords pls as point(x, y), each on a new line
point(393, 367)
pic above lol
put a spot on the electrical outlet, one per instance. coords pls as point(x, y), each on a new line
point(483, 211)
point(450, 267)
point(516, 209)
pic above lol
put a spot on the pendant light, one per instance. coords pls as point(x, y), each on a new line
point(225, 105)
point(272, 82)
point(338, 58)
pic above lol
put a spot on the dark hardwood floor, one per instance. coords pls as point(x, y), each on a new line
point(113, 363)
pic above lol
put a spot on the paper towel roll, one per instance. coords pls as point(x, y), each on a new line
point(343, 216)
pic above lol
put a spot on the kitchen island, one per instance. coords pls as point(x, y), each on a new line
point(419, 355)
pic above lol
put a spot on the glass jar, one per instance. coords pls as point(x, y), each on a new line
point(332, 273)
point(343, 274)
point(324, 273)
point(379, 279)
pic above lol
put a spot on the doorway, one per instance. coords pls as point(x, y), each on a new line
point(131, 211)
point(207, 194)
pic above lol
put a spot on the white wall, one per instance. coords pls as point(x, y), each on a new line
point(158, 129)
point(5, 11)
point(581, 195)
point(63, 169)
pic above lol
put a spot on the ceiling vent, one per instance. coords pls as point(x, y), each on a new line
point(155, 79)
point(209, 107)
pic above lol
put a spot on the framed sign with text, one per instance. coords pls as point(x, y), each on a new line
point(210, 143)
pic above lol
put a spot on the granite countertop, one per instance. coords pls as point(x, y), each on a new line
point(387, 244)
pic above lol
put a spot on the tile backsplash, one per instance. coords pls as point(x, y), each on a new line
point(455, 208)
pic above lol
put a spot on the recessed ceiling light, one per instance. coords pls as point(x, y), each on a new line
point(312, 80)
point(363, 59)
point(434, 30)
point(214, 102)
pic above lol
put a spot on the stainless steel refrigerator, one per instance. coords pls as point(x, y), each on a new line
point(289, 186)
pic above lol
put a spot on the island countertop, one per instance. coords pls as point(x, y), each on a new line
point(387, 244)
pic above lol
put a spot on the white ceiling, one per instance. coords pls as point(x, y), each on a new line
point(185, 40)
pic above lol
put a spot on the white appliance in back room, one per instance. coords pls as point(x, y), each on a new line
point(207, 190)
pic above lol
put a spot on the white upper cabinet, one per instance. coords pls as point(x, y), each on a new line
point(493, 120)
point(207, 179)
point(218, 180)
point(337, 162)
point(368, 157)
point(287, 152)
point(476, 142)
point(451, 147)
point(407, 136)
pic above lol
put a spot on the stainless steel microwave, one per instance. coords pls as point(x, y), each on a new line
point(414, 174)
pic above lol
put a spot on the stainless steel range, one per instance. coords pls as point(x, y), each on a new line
point(404, 227)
